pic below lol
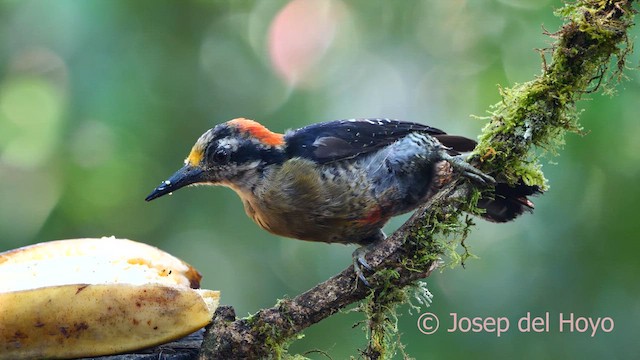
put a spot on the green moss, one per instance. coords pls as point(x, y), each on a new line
point(382, 321)
point(533, 118)
point(273, 336)
point(439, 236)
point(435, 237)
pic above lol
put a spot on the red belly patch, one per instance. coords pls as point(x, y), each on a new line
point(373, 217)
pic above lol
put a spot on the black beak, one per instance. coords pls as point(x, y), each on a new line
point(186, 176)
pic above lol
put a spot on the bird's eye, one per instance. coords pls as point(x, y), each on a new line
point(221, 156)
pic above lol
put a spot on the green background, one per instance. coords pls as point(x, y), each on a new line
point(101, 100)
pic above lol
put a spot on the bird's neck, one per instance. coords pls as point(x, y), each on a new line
point(247, 187)
point(245, 183)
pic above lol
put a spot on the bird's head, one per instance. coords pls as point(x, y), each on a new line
point(232, 153)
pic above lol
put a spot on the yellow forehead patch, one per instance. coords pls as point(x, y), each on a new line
point(195, 156)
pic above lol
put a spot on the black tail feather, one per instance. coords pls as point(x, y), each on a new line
point(508, 202)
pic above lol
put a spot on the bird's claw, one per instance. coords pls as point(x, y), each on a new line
point(358, 260)
point(470, 171)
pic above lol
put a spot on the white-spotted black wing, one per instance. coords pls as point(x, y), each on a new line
point(345, 139)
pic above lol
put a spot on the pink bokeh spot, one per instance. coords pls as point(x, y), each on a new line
point(300, 35)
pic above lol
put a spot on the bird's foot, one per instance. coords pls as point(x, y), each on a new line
point(359, 260)
point(469, 170)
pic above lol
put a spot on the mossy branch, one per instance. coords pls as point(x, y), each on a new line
point(537, 114)
point(531, 116)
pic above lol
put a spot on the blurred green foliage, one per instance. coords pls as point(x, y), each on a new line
point(101, 100)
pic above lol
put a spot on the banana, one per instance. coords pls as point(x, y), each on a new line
point(91, 297)
point(91, 261)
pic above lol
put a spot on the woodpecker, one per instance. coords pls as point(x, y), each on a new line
point(337, 181)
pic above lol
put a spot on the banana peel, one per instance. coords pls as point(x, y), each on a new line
point(91, 297)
